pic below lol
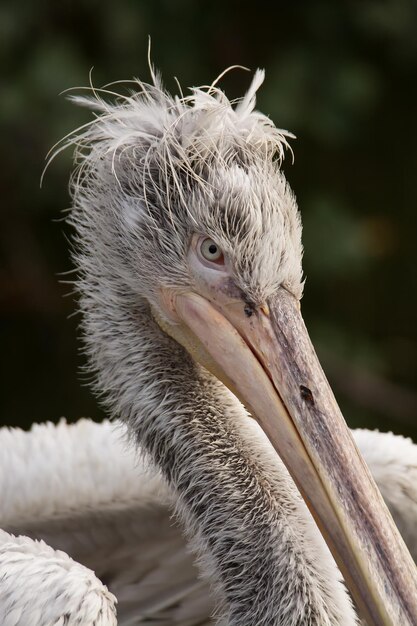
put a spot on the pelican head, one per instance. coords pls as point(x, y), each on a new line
point(184, 219)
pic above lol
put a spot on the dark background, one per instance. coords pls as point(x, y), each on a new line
point(341, 76)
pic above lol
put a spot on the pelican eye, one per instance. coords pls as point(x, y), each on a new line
point(210, 251)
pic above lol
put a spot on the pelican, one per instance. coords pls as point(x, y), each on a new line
point(188, 248)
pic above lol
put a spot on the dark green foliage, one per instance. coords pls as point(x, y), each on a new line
point(341, 76)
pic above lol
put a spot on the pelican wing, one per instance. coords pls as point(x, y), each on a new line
point(39, 585)
point(392, 460)
point(81, 489)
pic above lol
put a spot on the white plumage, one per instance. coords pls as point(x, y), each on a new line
point(82, 489)
point(40, 585)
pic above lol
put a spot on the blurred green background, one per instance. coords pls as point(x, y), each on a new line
point(341, 76)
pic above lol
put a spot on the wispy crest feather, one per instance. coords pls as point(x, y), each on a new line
point(176, 131)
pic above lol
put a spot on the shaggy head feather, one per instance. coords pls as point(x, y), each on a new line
point(158, 168)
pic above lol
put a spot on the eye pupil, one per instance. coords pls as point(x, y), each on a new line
point(212, 248)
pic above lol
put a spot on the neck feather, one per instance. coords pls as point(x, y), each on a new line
point(254, 537)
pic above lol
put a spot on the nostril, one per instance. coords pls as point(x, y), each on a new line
point(306, 395)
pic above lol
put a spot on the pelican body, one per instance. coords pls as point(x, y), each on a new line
point(77, 490)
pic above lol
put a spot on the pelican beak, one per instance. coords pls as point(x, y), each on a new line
point(266, 358)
